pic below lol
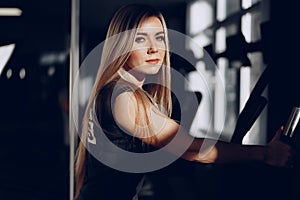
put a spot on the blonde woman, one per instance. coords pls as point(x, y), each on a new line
point(136, 117)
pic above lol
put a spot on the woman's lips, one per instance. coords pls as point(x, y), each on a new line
point(152, 61)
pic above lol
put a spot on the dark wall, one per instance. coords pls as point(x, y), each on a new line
point(284, 60)
point(32, 149)
point(284, 90)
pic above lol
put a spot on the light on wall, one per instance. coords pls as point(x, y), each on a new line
point(10, 12)
point(200, 15)
point(5, 53)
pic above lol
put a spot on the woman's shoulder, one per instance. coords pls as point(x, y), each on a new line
point(112, 91)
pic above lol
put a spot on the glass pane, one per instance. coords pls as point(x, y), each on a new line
point(251, 26)
point(232, 100)
point(200, 16)
point(226, 8)
point(255, 26)
point(255, 1)
point(198, 42)
point(257, 135)
point(232, 6)
point(231, 29)
point(256, 59)
point(248, 3)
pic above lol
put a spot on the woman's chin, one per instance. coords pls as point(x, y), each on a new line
point(153, 69)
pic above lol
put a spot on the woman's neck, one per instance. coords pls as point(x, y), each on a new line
point(131, 77)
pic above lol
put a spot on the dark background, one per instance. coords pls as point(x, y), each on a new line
point(34, 161)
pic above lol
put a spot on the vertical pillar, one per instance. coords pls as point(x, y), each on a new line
point(74, 67)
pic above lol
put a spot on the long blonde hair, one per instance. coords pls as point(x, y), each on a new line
point(115, 53)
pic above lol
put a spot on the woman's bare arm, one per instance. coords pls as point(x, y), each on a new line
point(164, 130)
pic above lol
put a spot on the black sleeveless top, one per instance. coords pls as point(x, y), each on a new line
point(101, 181)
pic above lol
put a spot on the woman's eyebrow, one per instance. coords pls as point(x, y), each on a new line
point(145, 34)
point(158, 33)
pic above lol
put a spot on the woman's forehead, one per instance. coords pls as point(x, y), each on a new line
point(151, 24)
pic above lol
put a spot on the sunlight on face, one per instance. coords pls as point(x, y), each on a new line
point(148, 50)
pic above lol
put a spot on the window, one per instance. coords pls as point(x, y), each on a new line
point(229, 28)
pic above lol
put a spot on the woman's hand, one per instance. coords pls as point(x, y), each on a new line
point(278, 153)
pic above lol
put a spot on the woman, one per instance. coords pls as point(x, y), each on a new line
point(136, 117)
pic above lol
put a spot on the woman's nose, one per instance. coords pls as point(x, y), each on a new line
point(152, 48)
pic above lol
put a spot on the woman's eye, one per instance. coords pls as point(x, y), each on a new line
point(139, 39)
point(160, 38)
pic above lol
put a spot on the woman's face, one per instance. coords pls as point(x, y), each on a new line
point(148, 50)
